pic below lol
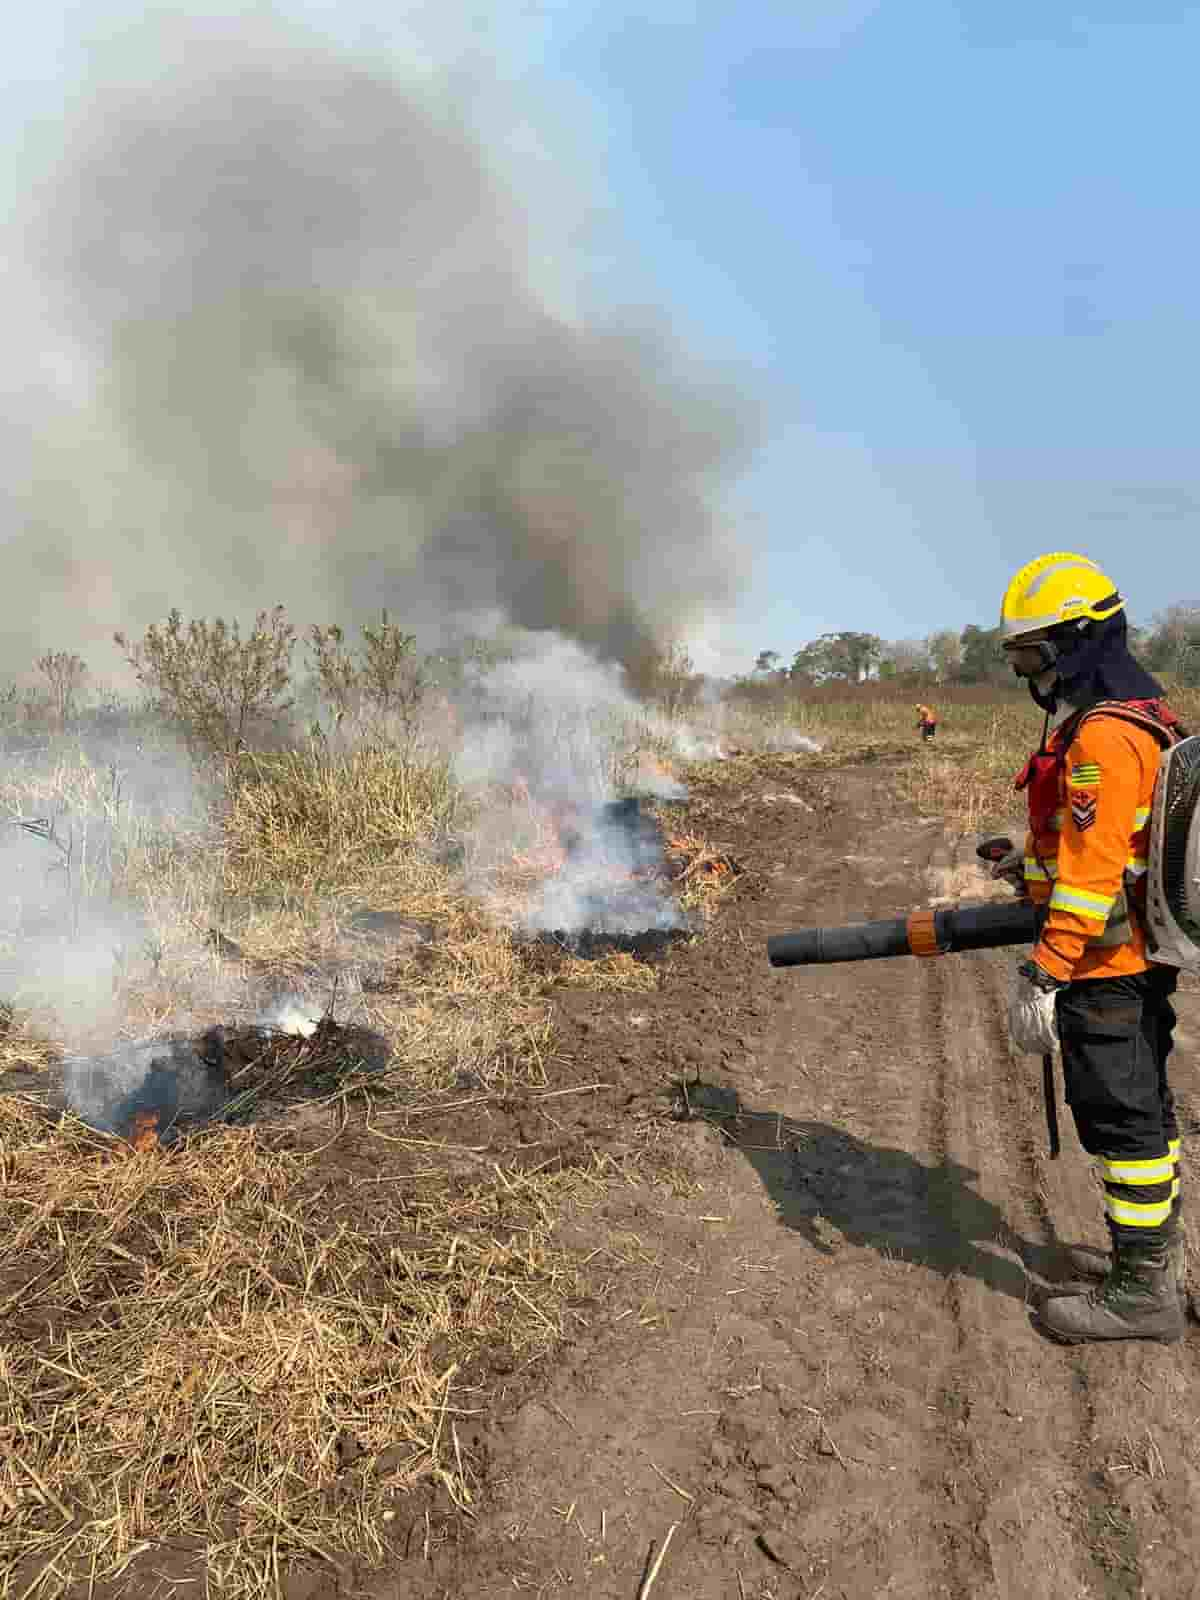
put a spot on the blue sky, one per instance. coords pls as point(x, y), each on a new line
point(955, 243)
point(961, 242)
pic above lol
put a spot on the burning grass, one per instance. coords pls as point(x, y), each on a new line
point(212, 1346)
point(235, 1345)
point(207, 1345)
point(701, 872)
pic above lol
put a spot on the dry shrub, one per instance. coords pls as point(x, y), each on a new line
point(192, 1346)
point(217, 686)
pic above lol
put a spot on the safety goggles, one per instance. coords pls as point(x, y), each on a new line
point(1029, 658)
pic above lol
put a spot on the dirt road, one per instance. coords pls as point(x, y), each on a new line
point(808, 1350)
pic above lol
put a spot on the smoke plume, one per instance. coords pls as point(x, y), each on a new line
point(547, 727)
point(306, 351)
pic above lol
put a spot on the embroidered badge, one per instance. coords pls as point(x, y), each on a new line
point(1085, 776)
point(1083, 810)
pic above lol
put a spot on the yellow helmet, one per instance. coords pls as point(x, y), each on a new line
point(1060, 587)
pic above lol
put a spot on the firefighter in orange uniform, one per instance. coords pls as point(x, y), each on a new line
point(1089, 986)
point(926, 721)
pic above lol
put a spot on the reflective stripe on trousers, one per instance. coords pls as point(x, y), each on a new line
point(1141, 1194)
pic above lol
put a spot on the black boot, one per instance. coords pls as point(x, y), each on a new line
point(1079, 1267)
point(1137, 1300)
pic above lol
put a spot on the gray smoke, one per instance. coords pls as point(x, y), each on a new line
point(308, 353)
point(179, 1080)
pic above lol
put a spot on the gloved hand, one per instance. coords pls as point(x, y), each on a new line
point(1011, 869)
point(1032, 1008)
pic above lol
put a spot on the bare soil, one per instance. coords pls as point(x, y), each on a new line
point(805, 1350)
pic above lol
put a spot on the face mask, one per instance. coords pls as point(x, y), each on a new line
point(1044, 688)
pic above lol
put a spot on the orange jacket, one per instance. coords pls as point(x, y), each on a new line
point(1088, 857)
point(926, 714)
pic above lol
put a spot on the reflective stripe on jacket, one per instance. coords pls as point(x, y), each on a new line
point(1086, 856)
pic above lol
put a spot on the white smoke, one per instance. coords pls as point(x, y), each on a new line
point(294, 1014)
point(720, 732)
point(84, 822)
point(552, 740)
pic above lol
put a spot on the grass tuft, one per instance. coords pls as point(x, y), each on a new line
point(198, 1351)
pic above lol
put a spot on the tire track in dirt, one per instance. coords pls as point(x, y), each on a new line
point(913, 1219)
point(1017, 1406)
point(1009, 1437)
point(1137, 1458)
point(1085, 1475)
point(888, 1090)
point(995, 1484)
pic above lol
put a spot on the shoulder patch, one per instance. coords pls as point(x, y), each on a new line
point(1085, 776)
point(1083, 811)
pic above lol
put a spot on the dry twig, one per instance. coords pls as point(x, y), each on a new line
point(648, 1581)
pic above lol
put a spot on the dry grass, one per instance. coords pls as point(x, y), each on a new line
point(230, 1344)
point(239, 1345)
point(307, 840)
point(618, 971)
point(195, 1352)
point(309, 822)
point(22, 1044)
point(965, 775)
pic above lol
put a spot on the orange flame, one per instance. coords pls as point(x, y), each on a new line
point(548, 851)
point(144, 1133)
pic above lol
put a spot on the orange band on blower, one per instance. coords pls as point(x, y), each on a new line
point(922, 934)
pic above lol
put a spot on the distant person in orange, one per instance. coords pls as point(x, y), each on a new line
point(926, 721)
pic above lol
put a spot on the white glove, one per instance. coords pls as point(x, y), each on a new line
point(1032, 1011)
point(1011, 869)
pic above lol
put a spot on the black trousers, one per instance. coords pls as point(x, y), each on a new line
point(1116, 1036)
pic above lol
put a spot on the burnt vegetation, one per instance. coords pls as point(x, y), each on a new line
point(300, 934)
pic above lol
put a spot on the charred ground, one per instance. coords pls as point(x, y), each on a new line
point(783, 1230)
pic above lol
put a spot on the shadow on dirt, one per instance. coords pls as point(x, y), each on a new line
point(825, 1183)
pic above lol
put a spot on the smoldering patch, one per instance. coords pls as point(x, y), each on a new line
point(160, 1090)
